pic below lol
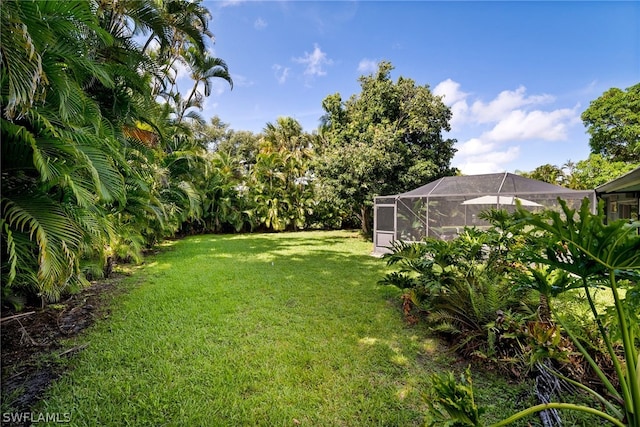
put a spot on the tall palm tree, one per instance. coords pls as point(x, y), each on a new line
point(58, 157)
point(293, 147)
point(187, 25)
point(82, 167)
point(204, 68)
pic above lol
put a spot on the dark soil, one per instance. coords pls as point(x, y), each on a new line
point(32, 352)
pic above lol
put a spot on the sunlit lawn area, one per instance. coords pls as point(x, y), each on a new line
point(268, 329)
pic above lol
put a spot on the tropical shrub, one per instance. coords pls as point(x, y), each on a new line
point(93, 168)
point(458, 285)
point(571, 250)
point(599, 254)
point(224, 200)
point(452, 403)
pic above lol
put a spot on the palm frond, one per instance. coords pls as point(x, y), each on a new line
point(21, 60)
point(56, 234)
point(11, 251)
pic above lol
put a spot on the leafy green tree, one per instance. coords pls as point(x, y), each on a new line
point(583, 175)
point(385, 140)
point(280, 181)
point(547, 173)
point(598, 170)
point(242, 144)
point(613, 122)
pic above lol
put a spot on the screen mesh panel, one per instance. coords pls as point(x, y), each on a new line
point(385, 200)
point(411, 219)
point(442, 208)
point(386, 218)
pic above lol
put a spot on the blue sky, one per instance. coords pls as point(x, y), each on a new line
point(517, 75)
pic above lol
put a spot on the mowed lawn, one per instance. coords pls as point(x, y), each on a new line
point(261, 329)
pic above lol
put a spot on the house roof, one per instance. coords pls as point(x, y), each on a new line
point(495, 183)
point(627, 183)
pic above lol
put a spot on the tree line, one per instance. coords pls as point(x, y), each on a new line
point(103, 156)
point(613, 124)
point(98, 161)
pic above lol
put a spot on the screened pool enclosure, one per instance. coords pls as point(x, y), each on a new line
point(444, 207)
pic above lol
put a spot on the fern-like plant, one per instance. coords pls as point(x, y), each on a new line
point(452, 403)
point(583, 244)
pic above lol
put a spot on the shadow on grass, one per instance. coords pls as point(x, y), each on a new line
point(332, 254)
point(293, 319)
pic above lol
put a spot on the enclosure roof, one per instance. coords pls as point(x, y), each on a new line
point(493, 183)
point(626, 183)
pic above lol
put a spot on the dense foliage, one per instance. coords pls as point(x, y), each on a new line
point(93, 166)
point(103, 157)
point(476, 291)
point(386, 140)
point(583, 175)
point(613, 123)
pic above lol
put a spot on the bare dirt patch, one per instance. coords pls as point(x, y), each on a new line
point(32, 350)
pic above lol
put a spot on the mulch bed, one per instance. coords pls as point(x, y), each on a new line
point(32, 341)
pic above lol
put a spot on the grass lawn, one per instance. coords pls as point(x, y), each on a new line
point(266, 329)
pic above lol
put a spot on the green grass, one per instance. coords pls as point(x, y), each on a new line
point(251, 330)
point(269, 329)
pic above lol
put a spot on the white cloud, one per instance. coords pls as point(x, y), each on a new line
point(455, 99)
point(487, 162)
point(314, 62)
point(450, 91)
point(474, 147)
point(281, 73)
point(367, 66)
point(505, 102)
point(545, 125)
point(494, 129)
point(218, 86)
point(260, 24)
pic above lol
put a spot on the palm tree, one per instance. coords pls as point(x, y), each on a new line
point(204, 68)
point(188, 23)
point(59, 160)
point(286, 139)
point(186, 26)
point(83, 170)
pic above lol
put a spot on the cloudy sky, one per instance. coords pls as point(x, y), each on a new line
point(517, 75)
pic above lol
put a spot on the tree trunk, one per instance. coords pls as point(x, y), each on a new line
point(364, 219)
point(108, 267)
point(544, 309)
point(186, 104)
